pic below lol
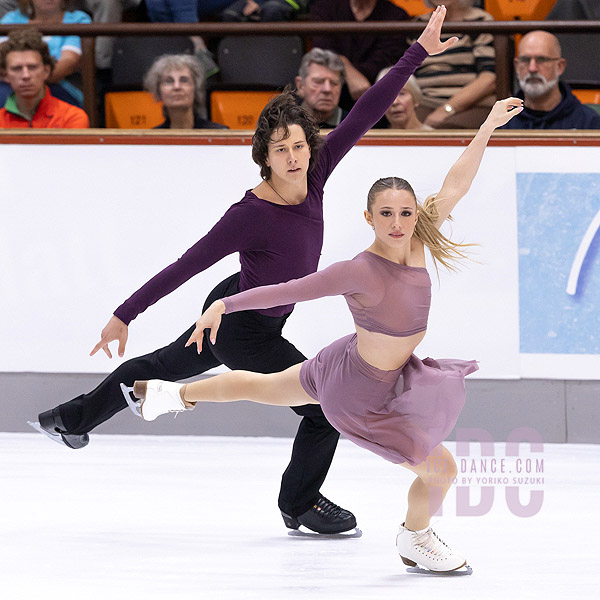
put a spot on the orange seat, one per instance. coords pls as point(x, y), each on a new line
point(521, 10)
point(587, 96)
point(412, 7)
point(132, 110)
point(238, 109)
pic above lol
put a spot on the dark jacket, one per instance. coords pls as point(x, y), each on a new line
point(569, 114)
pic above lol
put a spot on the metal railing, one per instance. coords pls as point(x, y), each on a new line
point(502, 31)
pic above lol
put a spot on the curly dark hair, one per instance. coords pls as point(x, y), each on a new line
point(281, 112)
point(22, 40)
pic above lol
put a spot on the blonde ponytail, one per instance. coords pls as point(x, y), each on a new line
point(443, 250)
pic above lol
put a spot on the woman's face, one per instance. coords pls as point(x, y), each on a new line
point(401, 111)
point(393, 217)
point(289, 158)
point(177, 88)
point(47, 6)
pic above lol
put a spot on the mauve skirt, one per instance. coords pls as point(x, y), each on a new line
point(401, 415)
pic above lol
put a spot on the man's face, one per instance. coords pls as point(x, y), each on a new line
point(538, 65)
point(26, 73)
point(320, 90)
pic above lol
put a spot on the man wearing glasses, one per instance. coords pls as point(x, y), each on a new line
point(549, 103)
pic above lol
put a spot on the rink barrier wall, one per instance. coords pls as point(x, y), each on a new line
point(561, 411)
point(555, 393)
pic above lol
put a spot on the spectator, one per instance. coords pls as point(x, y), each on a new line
point(319, 86)
point(26, 63)
point(172, 11)
point(263, 10)
point(364, 55)
point(186, 11)
point(66, 50)
point(549, 103)
point(102, 11)
point(177, 80)
point(459, 87)
point(401, 114)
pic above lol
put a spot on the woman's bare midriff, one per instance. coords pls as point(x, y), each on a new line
point(386, 352)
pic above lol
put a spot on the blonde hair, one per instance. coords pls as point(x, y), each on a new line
point(443, 250)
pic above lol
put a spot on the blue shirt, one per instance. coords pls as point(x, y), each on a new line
point(56, 43)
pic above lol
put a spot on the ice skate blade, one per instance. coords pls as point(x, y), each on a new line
point(55, 437)
point(464, 570)
point(313, 535)
point(136, 407)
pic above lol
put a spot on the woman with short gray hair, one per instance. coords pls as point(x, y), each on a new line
point(177, 80)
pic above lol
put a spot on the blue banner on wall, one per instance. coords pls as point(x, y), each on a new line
point(559, 270)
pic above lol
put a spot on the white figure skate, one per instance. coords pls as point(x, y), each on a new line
point(426, 549)
point(157, 398)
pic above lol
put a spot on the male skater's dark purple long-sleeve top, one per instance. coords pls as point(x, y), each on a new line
point(278, 243)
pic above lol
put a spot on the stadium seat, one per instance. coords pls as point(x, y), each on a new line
point(580, 49)
point(238, 109)
point(269, 61)
point(412, 7)
point(521, 10)
point(587, 96)
point(132, 110)
point(133, 56)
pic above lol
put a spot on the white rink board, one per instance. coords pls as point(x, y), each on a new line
point(72, 248)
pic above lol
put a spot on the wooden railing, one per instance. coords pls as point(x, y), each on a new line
point(502, 31)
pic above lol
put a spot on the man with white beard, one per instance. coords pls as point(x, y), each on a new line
point(549, 103)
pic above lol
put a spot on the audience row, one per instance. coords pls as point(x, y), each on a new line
point(453, 90)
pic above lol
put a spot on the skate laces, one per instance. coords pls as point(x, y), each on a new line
point(429, 542)
point(173, 397)
point(327, 508)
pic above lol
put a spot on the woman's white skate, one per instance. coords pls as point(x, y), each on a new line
point(154, 398)
point(424, 552)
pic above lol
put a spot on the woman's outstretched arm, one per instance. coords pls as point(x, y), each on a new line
point(461, 175)
point(342, 278)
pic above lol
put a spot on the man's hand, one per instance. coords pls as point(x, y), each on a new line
point(430, 38)
point(115, 330)
point(251, 7)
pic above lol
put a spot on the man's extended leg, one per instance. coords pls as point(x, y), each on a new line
point(72, 420)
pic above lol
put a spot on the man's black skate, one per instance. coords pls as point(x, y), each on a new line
point(324, 517)
point(52, 425)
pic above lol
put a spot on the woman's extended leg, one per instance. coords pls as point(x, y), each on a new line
point(278, 389)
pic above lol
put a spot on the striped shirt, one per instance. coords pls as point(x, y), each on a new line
point(441, 76)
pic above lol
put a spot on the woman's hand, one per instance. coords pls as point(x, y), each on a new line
point(211, 319)
point(430, 38)
point(115, 330)
point(503, 111)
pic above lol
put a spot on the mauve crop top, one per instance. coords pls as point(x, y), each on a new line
point(383, 296)
point(277, 243)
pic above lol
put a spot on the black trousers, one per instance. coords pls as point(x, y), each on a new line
point(248, 341)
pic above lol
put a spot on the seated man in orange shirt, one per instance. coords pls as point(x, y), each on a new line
point(26, 64)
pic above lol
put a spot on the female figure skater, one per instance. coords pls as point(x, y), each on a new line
point(278, 230)
point(370, 385)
